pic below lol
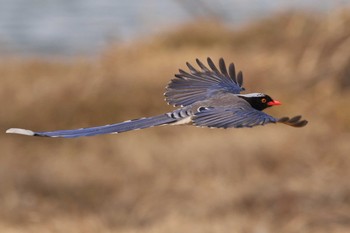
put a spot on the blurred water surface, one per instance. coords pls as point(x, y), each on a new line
point(43, 27)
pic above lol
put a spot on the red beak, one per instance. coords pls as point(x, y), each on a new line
point(274, 102)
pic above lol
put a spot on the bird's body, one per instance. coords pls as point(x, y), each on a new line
point(206, 98)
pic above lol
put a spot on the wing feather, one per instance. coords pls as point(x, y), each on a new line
point(237, 116)
point(294, 121)
point(202, 66)
point(196, 85)
point(222, 66)
point(240, 116)
point(232, 72)
point(213, 67)
point(240, 79)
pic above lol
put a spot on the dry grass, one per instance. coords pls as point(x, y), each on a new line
point(182, 179)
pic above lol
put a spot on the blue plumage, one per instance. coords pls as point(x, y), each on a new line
point(223, 117)
point(188, 88)
point(208, 97)
point(141, 123)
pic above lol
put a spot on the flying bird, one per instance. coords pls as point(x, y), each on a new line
point(206, 97)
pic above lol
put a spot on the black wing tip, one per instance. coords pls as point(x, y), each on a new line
point(202, 66)
point(209, 60)
point(230, 72)
point(294, 121)
point(191, 68)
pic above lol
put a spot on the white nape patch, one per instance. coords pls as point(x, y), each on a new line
point(184, 121)
point(20, 131)
point(252, 95)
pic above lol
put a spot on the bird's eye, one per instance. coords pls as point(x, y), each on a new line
point(263, 100)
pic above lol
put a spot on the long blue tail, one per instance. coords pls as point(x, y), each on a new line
point(141, 123)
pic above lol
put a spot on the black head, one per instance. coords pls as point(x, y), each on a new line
point(259, 101)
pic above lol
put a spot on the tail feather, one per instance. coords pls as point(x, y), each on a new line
point(141, 123)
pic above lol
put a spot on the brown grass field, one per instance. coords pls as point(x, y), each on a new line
point(182, 179)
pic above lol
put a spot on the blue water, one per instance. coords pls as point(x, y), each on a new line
point(74, 27)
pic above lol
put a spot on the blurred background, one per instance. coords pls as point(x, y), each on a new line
point(72, 64)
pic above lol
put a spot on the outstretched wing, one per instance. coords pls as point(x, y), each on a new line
point(231, 118)
point(239, 117)
point(198, 85)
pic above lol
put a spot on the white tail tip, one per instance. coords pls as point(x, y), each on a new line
point(20, 131)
